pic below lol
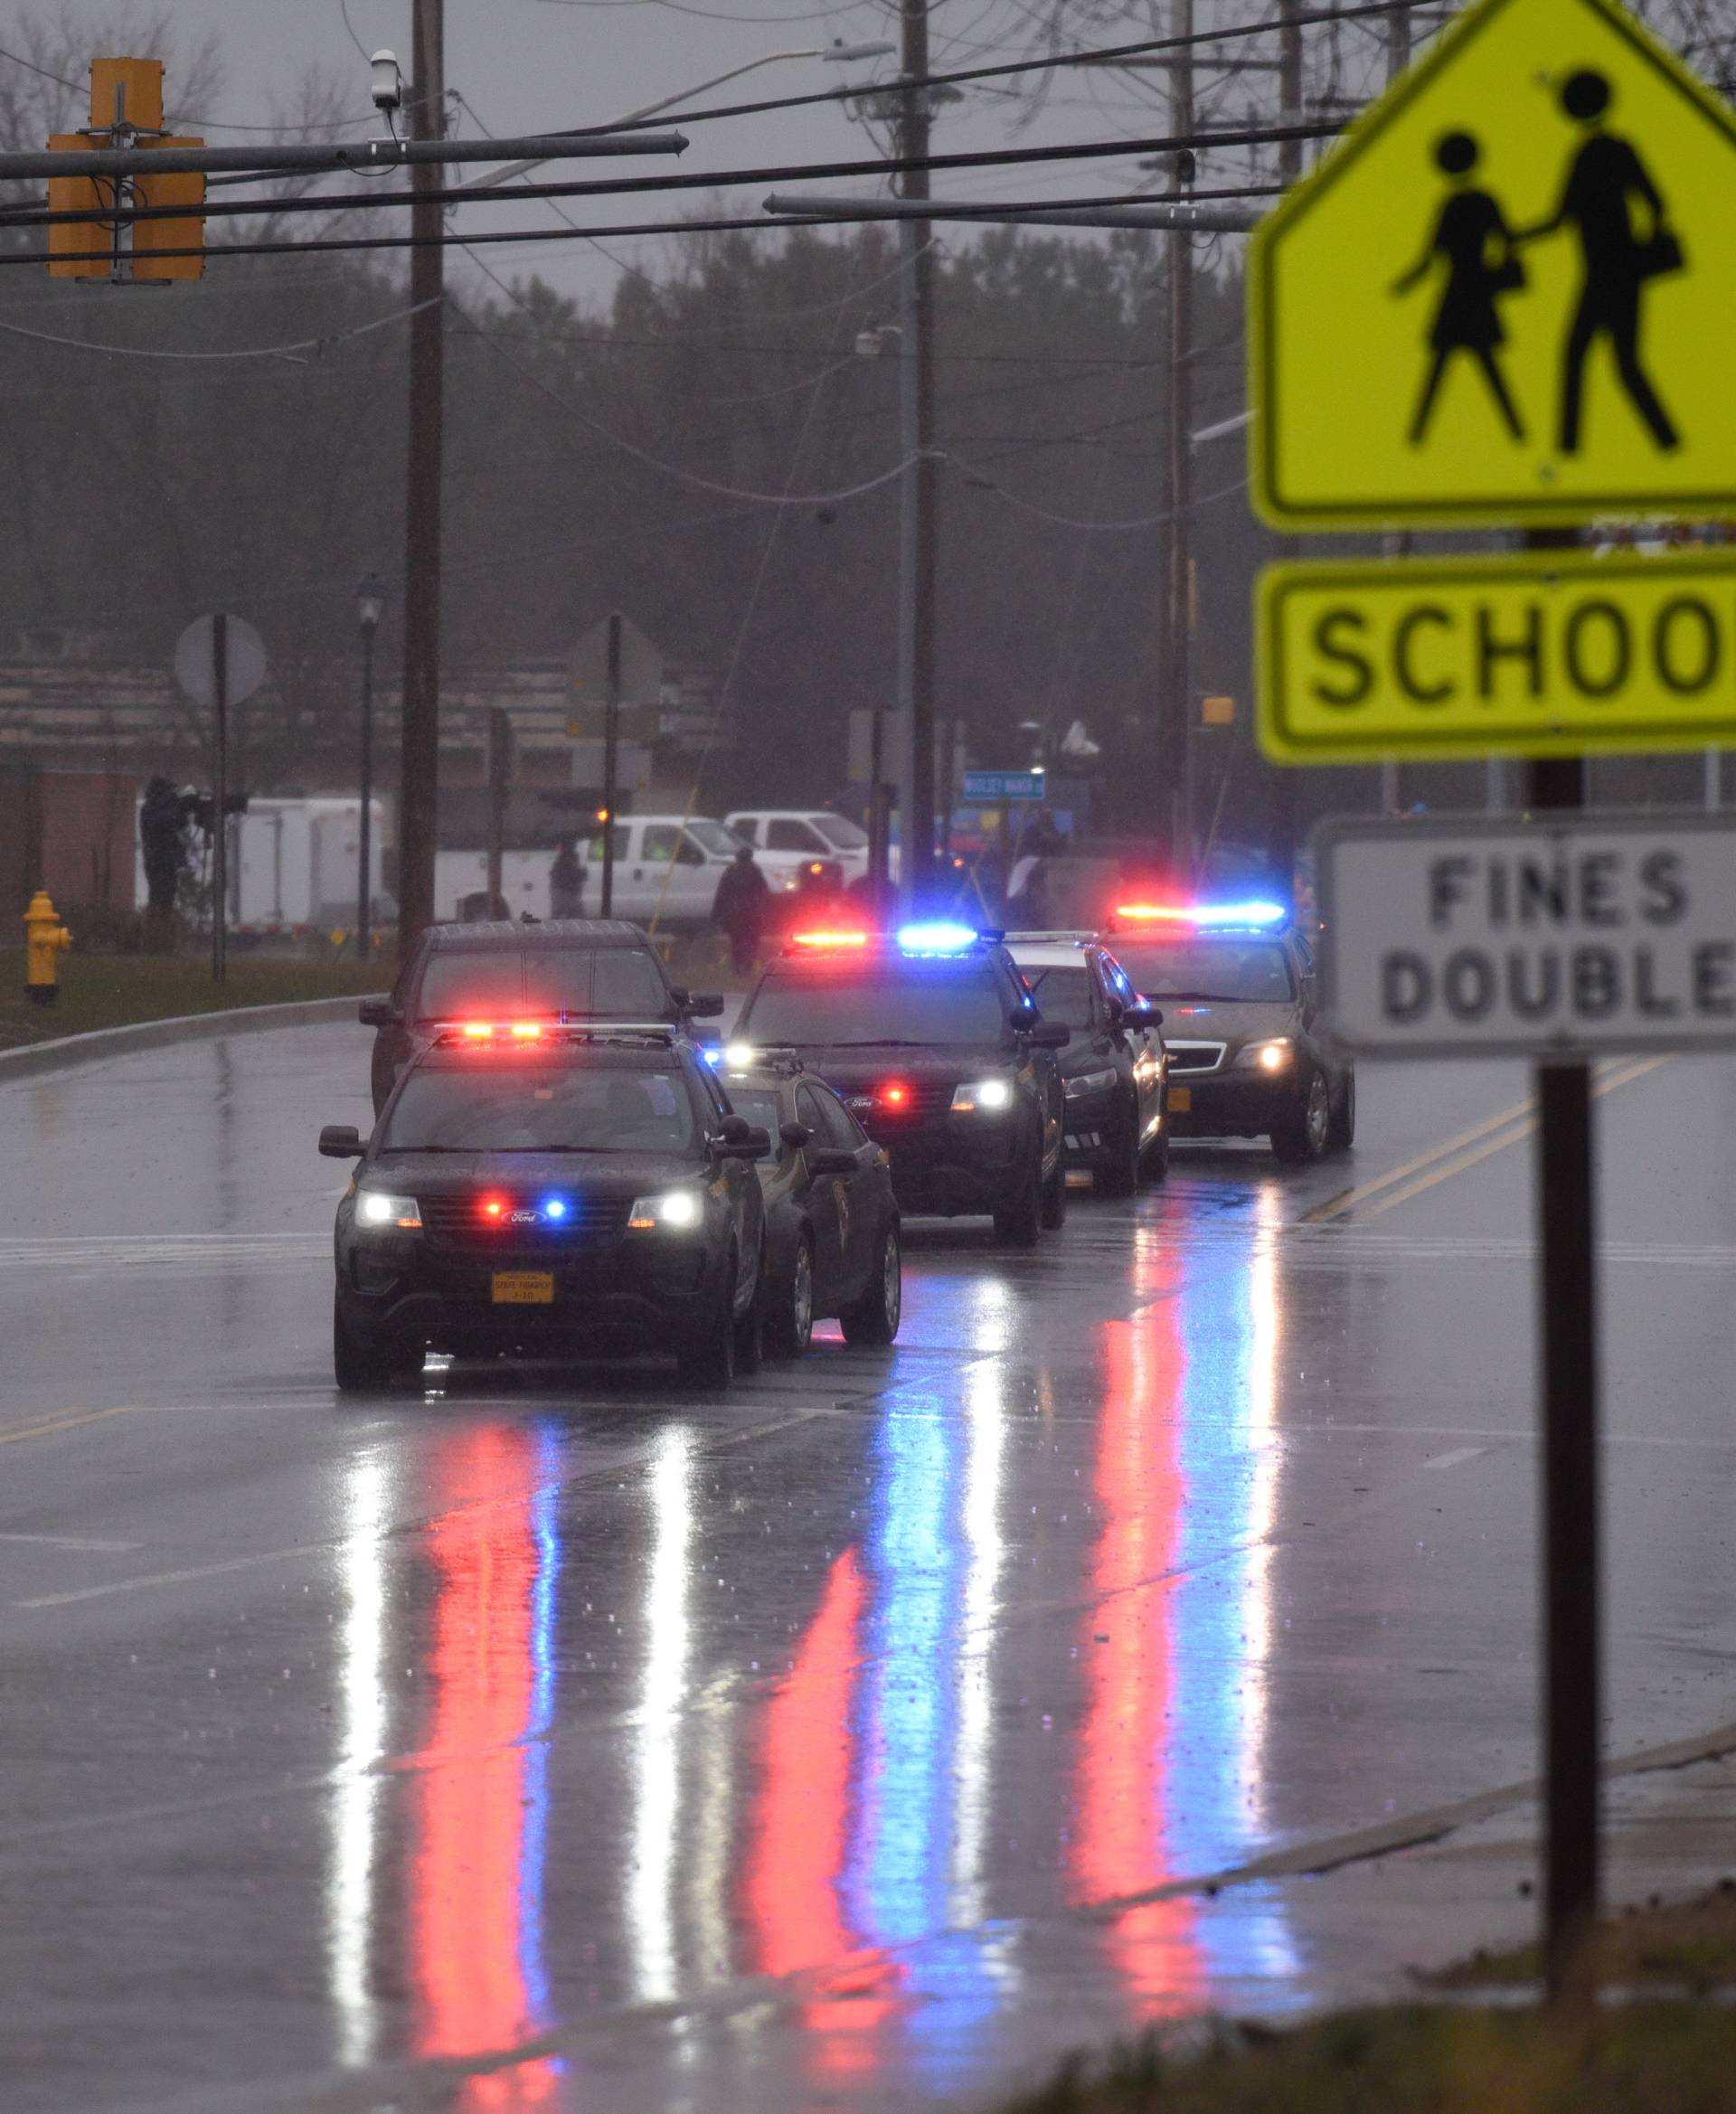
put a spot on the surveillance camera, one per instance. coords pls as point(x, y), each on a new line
point(388, 87)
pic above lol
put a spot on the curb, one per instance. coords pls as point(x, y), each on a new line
point(68, 1050)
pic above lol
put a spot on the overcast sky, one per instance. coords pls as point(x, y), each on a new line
point(529, 65)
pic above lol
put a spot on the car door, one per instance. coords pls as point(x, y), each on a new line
point(860, 1198)
point(827, 1198)
point(1145, 1045)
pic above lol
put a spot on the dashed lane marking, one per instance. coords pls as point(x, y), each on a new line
point(1456, 1458)
point(61, 1420)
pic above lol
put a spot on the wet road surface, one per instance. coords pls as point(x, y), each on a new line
point(857, 1740)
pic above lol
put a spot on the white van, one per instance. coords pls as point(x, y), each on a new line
point(666, 869)
point(785, 840)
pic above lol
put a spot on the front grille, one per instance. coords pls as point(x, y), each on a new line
point(453, 1222)
point(923, 1098)
point(1194, 1056)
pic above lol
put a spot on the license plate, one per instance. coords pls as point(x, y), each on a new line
point(1181, 1101)
point(523, 1287)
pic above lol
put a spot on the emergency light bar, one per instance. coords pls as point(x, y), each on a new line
point(1207, 915)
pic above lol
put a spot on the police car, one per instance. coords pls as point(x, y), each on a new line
point(934, 1042)
point(832, 1239)
point(1113, 1072)
point(1248, 1052)
point(538, 1191)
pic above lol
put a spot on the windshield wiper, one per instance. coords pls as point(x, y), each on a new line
point(883, 1042)
point(1213, 997)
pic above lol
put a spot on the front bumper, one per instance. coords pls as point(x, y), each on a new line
point(955, 1167)
point(1227, 1104)
point(649, 1291)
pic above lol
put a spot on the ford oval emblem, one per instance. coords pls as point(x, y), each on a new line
point(524, 1218)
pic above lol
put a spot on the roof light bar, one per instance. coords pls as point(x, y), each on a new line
point(936, 936)
point(1205, 915)
point(828, 939)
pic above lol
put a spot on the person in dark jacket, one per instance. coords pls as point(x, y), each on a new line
point(739, 909)
point(567, 884)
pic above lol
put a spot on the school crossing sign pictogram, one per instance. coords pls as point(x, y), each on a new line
point(1509, 295)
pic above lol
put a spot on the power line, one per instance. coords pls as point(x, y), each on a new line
point(316, 344)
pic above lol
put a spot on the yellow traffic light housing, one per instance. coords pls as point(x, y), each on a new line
point(126, 112)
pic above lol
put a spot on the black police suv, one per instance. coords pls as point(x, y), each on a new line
point(559, 1191)
point(935, 1044)
point(832, 1244)
point(1249, 1051)
point(1114, 1072)
point(563, 969)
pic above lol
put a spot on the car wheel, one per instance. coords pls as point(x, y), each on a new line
point(1341, 1135)
point(1154, 1162)
point(1055, 1196)
point(1119, 1176)
point(874, 1318)
point(361, 1365)
point(709, 1361)
point(751, 1328)
point(1015, 1223)
point(1300, 1134)
point(791, 1322)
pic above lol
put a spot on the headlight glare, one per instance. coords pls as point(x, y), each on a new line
point(1273, 1056)
point(676, 1210)
point(988, 1096)
point(378, 1208)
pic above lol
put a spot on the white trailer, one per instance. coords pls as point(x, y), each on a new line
point(293, 867)
point(461, 883)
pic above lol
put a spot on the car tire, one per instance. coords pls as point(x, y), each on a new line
point(360, 1363)
point(1154, 1162)
point(791, 1324)
point(1299, 1136)
point(709, 1361)
point(874, 1318)
point(1053, 1195)
point(1120, 1176)
point(1341, 1135)
point(1016, 1224)
point(751, 1327)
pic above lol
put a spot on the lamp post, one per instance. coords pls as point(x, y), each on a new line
point(370, 607)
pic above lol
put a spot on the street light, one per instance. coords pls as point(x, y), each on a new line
point(370, 607)
point(835, 54)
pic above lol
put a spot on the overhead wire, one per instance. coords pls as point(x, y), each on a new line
point(315, 344)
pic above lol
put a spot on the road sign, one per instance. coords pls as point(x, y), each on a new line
point(1540, 653)
point(634, 723)
point(993, 787)
point(1506, 295)
point(244, 660)
point(1564, 938)
point(641, 669)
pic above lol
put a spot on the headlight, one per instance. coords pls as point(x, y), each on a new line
point(675, 1211)
point(985, 1094)
point(1088, 1082)
point(739, 1056)
point(379, 1207)
point(1266, 1056)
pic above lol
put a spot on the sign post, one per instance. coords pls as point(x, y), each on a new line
point(1528, 242)
point(219, 661)
point(611, 757)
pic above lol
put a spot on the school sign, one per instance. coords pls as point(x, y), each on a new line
point(1507, 297)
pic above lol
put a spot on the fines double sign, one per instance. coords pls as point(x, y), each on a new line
point(1581, 937)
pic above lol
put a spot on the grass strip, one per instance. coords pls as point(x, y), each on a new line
point(115, 990)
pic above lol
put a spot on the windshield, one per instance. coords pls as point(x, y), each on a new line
point(713, 837)
point(881, 1002)
point(540, 1107)
point(615, 983)
point(839, 830)
point(759, 1106)
point(471, 986)
point(1253, 971)
point(1062, 994)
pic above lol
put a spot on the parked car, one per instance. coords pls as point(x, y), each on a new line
point(666, 869)
point(786, 840)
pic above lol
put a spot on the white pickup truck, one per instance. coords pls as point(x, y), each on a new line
point(666, 870)
point(788, 840)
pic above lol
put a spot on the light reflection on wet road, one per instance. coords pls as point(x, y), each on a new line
point(578, 1743)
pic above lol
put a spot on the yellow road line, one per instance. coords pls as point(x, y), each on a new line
point(1460, 1153)
point(66, 1420)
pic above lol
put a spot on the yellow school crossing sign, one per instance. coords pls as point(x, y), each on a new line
point(1509, 295)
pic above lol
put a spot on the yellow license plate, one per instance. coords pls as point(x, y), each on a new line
point(1181, 1101)
point(523, 1287)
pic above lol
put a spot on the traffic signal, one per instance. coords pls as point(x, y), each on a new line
point(126, 111)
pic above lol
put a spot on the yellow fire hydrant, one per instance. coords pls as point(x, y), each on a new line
point(45, 941)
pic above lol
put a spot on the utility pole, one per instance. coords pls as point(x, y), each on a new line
point(1398, 545)
point(1177, 744)
point(918, 491)
point(419, 792)
point(220, 797)
point(1289, 164)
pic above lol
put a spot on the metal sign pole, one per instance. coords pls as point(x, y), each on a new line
point(612, 744)
point(220, 797)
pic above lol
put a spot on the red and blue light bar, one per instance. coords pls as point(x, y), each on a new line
point(1205, 917)
point(927, 938)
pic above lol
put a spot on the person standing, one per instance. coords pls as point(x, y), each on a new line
point(739, 909)
point(567, 882)
point(1606, 175)
point(1471, 234)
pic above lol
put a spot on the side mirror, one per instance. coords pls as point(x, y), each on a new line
point(752, 1144)
point(732, 1129)
point(378, 1013)
point(1141, 1016)
point(831, 1160)
point(341, 1141)
point(796, 1136)
point(702, 1005)
point(1049, 1035)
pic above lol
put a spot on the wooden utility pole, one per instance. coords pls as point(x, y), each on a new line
point(918, 541)
point(1290, 164)
point(419, 785)
point(1177, 742)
